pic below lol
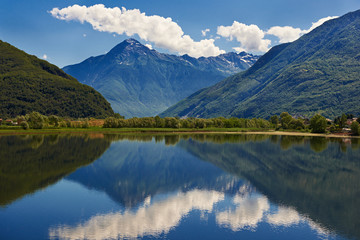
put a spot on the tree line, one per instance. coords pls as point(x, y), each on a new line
point(174, 122)
point(317, 124)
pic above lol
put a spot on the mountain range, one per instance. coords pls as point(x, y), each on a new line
point(139, 81)
point(31, 84)
point(318, 73)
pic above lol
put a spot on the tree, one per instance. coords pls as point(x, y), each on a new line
point(297, 124)
point(274, 120)
point(36, 120)
point(355, 128)
point(54, 120)
point(118, 116)
point(285, 119)
point(318, 124)
point(343, 120)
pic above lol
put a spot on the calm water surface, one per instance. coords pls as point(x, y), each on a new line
point(211, 186)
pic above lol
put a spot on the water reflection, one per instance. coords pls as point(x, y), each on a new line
point(248, 213)
point(150, 219)
point(129, 172)
point(318, 177)
point(32, 162)
point(159, 216)
point(233, 184)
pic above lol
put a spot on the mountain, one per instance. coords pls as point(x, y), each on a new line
point(30, 84)
point(138, 81)
point(318, 73)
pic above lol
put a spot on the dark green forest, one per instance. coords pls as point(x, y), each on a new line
point(29, 84)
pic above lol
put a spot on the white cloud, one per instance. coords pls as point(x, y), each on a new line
point(149, 46)
point(285, 34)
point(289, 34)
point(204, 32)
point(319, 22)
point(84, 35)
point(163, 32)
point(250, 37)
point(45, 57)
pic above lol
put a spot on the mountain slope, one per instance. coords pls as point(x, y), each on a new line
point(30, 84)
point(318, 73)
point(140, 82)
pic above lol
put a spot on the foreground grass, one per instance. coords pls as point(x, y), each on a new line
point(19, 130)
point(14, 130)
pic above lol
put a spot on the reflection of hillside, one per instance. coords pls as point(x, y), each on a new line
point(32, 162)
point(131, 171)
point(319, 178)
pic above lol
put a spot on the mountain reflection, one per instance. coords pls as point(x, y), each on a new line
point(237, 182)
point(129, 172)
point(318, 177)
point(32, 162)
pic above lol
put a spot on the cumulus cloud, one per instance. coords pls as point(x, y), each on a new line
point(253, 39)
point(149, 46)
point(289, 34)
point(204, 32)
point(320, 22)
point(163, 32)
point(250, 37)
point(285, 34)
point(45, 57)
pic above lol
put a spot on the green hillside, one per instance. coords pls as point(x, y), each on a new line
point(30, 84)
point(318, 73)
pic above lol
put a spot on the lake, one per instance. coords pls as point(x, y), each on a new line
point(185, 186)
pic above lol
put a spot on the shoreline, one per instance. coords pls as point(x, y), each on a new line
point(4, 132)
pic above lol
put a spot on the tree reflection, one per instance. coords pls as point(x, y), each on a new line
point(31, 162)
point(315, 175)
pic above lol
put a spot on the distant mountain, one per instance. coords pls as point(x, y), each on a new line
point(141, 82)
point(318, 73)
point(30, 84)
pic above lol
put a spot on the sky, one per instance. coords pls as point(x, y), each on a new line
point(66, 32)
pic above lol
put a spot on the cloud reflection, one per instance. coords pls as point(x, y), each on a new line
point(284, 217)
point(152, 219)
point(248, 213)
point(245, 212)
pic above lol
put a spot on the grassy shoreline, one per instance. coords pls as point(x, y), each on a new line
point(19, 131)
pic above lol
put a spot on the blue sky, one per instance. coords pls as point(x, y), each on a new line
point(63, 32)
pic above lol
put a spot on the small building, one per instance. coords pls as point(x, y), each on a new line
point(9, 122)
point(349, 122)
